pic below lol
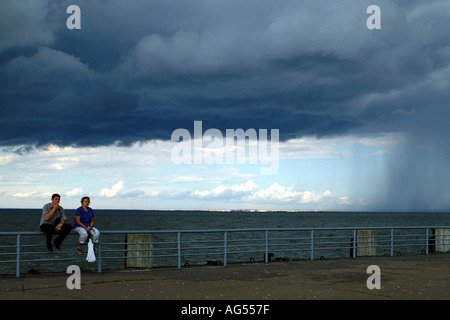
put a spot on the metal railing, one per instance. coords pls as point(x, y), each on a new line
point(169, 248)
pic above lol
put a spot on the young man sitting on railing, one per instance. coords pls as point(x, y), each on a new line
point(53, 222)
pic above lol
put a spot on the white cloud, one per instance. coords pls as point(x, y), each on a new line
point(109, 193)
point(25, 194)
point(275, 193)
point(223, 192)
point(337, 147)
point(345, 201)
point(63, 163)
point(278, 193)
point(74, 192)
point(7, 158)
point(190, 178)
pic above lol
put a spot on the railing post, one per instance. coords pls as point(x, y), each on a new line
point(427, 244)
point(179, 249)
point(99, 245)
point(354, 243)
point(225, 249)
point(312, 244)
point(266, 258)
point(392, 242)
point(18, 257)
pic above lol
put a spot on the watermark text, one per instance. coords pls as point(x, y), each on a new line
point(235, 147)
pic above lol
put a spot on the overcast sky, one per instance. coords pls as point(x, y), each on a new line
point(362, 113)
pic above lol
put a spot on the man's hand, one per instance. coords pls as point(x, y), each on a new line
point(51, 212)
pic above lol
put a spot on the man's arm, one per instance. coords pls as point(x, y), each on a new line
point(49, 215)
point(58, 227)
point(63, 220)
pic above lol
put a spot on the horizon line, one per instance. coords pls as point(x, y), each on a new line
point(252, 210)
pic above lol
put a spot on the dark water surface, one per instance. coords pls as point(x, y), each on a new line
point(28, 219)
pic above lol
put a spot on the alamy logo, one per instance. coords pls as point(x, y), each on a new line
point(374, 21)
point(238, 146)
point(374, 281)
point(73, 281)
point(74, 21)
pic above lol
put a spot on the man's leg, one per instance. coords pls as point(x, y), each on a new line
point(48, 229)
point(62, 234)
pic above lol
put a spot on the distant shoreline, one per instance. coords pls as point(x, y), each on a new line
point(243, 210)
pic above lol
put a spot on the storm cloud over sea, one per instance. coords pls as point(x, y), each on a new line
point(138, 70)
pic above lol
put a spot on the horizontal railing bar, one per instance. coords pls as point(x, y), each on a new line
point(8, 261)
point(294, 238)
point(204, 254)
point(46, 260)
point(15, 233)
point(112, 258)
point(125, 243)
point(247, 251)
point(137, 249)
point(245, 245)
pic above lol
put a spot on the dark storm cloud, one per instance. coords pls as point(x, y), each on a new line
point(140, 69)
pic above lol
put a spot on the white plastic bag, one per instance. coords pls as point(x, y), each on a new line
point(91, 255)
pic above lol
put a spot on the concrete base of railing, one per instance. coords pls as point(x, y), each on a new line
point(442, 240)
point(139, 250)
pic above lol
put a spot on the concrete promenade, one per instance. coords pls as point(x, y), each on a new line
point(418, 277)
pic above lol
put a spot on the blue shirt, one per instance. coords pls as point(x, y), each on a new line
point(85, 217)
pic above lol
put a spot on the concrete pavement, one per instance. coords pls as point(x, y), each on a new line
point(419, 277)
